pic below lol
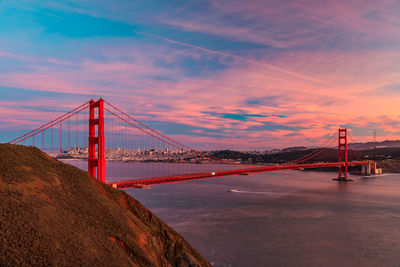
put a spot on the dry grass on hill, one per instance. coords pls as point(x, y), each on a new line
point(52, 213)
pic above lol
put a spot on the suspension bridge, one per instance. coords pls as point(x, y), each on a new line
point(102, 134)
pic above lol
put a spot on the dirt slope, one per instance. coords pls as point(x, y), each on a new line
point(52, 213)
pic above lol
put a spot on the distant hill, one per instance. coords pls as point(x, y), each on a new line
point(373, 145)
point(294, 148)
point(52, 214)
point(387, 157)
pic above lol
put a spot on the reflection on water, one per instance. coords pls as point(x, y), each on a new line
point(119, 171)
point(288, 218)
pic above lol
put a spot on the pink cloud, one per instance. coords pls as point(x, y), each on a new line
point(288, 24)
point(351, 94)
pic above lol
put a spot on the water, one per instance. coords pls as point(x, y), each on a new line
point(287, 218)
point(120, 171)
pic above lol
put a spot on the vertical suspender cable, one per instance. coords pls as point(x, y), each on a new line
point(60, 138)
point(51, 140)
point(69, 128)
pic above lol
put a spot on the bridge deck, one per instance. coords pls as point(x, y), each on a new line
point(137, 183)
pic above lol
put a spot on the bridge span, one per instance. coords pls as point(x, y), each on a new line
point(97, 131)
point(139, 183)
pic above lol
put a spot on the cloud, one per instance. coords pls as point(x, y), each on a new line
point(82, 25)
point(301, 70)
point(248, 60)
point(297, 24)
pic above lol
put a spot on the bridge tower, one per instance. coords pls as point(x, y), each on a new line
point(96, 157)
point(342, 154)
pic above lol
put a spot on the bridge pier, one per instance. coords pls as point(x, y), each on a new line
point(371, 169)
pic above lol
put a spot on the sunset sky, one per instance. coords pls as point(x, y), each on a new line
point(218, 74)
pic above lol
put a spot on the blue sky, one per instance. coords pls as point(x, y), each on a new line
point(217, 74)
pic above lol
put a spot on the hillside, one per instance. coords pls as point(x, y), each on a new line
point(372, 145)
point(55, 214)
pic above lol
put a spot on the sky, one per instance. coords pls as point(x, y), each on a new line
point(220, 74)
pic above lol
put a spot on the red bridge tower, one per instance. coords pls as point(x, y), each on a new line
point(342, 153)
point(96, 158)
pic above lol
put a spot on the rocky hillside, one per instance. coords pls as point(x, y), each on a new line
point(55, 214)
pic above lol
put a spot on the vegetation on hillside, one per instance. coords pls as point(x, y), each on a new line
point(388, 158)
point(52, 213)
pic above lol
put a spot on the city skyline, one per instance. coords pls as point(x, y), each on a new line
point(212, 74)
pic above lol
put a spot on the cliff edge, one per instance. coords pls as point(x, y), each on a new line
point(52, 213)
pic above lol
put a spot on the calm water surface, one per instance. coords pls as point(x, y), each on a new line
point(287, 218)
